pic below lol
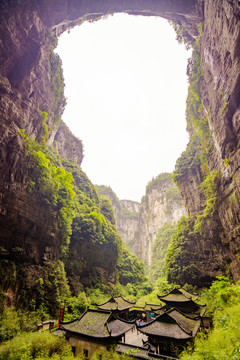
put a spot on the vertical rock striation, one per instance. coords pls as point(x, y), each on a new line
point(138, 223)
point(220, 97)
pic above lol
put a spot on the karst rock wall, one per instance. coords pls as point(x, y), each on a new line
point(158, 208)
point(26, 89)
point(27, 29)
point(138, 223)
point(220, 95)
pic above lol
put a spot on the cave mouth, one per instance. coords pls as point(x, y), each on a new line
point(126, 86)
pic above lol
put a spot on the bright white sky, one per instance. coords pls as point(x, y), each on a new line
point(126, 87)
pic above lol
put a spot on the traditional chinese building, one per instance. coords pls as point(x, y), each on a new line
point(144, 313)
point(154, 331)
point(184, 302)
point(93, 330)
point(118, 305)
point(171, 331)
point(152, 310)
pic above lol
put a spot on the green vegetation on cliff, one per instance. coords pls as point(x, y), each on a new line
point(210, 189)
point(182, 35)
point(173, 195)
point(57, 83)
point(108, 192)
point(131, 271)
point(155, 183)
point(189, 159)
point(107, 209)
point(91, 248)
point(182, 253)
point(158, 181)
point(195, 75)
point(52, 185)
point(159, 249)
point(195, 156)
point(193, 163)
point(123, 211)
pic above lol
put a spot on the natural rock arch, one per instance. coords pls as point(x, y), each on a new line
point(24, 52)
point(188, 12)
point(57, 16)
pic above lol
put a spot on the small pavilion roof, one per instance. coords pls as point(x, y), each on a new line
point(152, 307)
point(196, 310)
point(172, 324)
point(184, 302)
point(116, 303)
point(178, 295)
point(97, 324)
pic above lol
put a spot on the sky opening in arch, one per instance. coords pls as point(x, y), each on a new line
point(126, 88)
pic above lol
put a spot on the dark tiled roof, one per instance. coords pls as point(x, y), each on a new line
point(178, 295)
point(118, 327)
point(151, 307)
point(172, 324)
point(188, 324)
point(116, 303)
point(190, 308)
point(194, 310)
point(97, 324)
point(92, 323)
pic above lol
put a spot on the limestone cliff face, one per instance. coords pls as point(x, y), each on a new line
point(220, 95)
point(162, 204)
point(26, 89)
point(138, 223)
point(27, 75)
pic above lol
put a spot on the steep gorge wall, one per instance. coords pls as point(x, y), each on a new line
point(26, 90)
point(138, 223)
point(27, 29)
point(218, 250)
point(161, 205)
point(28, 79)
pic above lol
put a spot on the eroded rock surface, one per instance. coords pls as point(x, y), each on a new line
point(138, 223)
point(220, 94)
point(27, 31)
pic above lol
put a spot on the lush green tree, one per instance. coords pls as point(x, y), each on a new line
point(41, 346)
point(107, 209)
point(82, 185)
point(75, 306)
point(47, 290)
point(9, 324)
point(110, 355)
point(223, 341)
point(131, 271)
